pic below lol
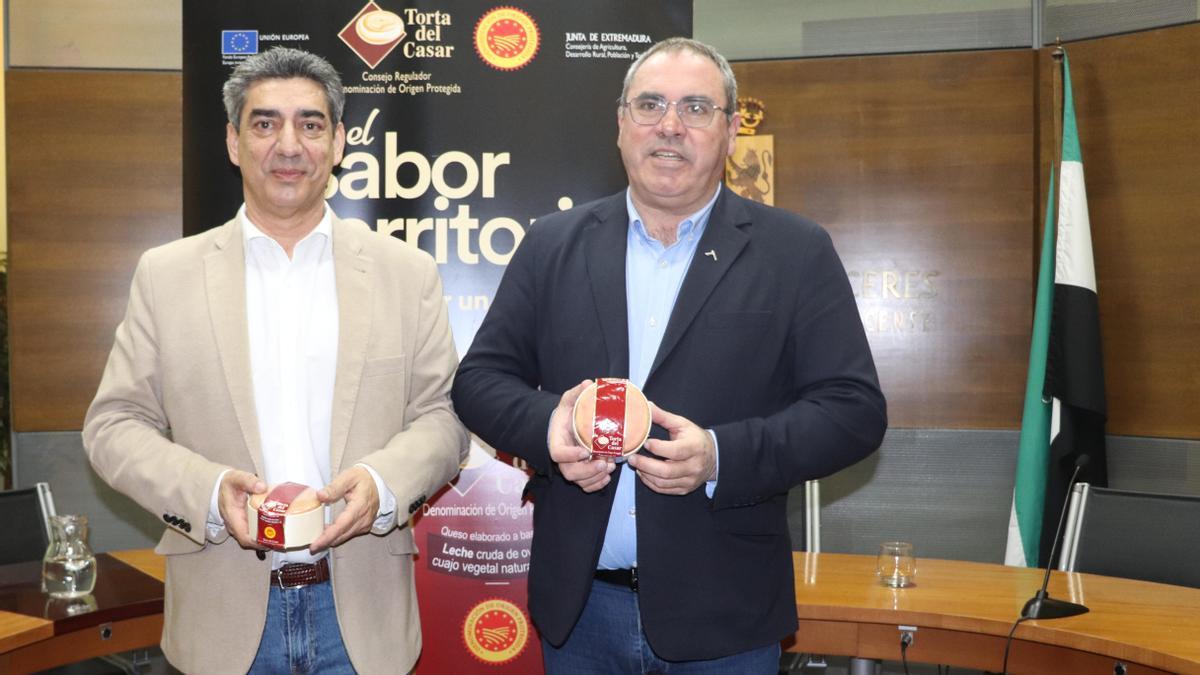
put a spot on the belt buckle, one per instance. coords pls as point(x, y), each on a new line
point(277, 576)
point(306, 572)
point(633, 579)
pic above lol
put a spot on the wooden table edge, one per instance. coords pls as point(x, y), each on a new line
point(27, 630)
point(1044, 632)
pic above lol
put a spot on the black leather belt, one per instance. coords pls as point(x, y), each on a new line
point(627, 578)
point(295, 575)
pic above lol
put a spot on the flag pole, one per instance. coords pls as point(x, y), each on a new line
point(1057, 54)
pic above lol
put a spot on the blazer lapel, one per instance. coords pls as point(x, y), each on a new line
point(352, 270)
point(604, 243)
point(225, 279)
point(724, 238)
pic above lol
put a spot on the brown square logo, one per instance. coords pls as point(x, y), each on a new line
point(373, 33)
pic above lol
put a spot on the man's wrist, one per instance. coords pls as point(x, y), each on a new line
point(215, 522)
point(387, 500)
point(710, 485)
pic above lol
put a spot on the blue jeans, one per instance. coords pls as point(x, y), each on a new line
point(609, 639)
point(302, 634)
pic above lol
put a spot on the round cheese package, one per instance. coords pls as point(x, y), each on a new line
point(285, 517)
point(612, 418)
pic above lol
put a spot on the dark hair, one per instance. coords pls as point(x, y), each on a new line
point(282, 63)
point(680, 44)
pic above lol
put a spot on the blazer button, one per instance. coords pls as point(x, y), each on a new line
point(166, 518)
point(187, 527)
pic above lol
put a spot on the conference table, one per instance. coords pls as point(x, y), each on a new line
point(123, 613)
point(960, 613)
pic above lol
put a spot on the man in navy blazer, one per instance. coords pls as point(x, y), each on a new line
point(738, 322)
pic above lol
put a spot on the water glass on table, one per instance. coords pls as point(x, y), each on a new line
point(896, 565)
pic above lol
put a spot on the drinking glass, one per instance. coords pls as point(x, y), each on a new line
point(896, 565)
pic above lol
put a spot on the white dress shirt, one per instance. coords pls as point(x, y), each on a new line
point(292, 319)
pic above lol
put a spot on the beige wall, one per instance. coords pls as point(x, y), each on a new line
point(136, 34)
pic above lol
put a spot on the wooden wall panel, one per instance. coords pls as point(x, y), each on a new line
point(1137, 103)
point(925, 168)
point(93, 180)
point(921, 167)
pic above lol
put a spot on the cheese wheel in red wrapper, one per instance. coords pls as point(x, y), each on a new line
point(287, 516)
point(612, 418)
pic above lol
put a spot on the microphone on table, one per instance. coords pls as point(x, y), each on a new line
point(1041, 605)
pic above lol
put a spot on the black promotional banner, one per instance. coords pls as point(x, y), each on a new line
point(465, 121)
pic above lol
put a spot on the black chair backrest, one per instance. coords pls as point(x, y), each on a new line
point(23, 513)
point(1140, 535)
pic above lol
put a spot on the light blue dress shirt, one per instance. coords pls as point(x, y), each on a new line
point(653, 276)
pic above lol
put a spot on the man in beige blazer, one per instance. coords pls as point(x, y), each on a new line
point(281, 345)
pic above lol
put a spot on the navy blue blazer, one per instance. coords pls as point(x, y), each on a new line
point(765, 347)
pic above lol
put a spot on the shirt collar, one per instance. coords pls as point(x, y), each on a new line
point(693, 223)
point(250, 231)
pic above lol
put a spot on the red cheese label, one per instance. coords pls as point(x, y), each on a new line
point(272, 512)
point(608, 424)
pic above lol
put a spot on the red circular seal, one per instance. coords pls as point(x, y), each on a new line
point(506, 38)
point(495, 631)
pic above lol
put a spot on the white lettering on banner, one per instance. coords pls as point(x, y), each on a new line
point(452, 175)
point(506, 558)
point(461, 551)
point(420, 18)
point(463, 225)
point(360, 177)
point(361, 135)
point(513, 511)
point(593, 45)
point(412, 50)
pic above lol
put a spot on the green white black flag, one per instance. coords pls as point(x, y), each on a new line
point(1065, 410)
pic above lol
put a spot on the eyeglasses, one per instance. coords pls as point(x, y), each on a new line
point(693, 112)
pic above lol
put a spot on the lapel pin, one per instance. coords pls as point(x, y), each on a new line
point(712, 253)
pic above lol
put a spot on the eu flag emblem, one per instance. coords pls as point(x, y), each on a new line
point(239, 42)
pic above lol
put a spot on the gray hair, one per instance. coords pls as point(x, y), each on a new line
point(681, 44)
point(282, 63)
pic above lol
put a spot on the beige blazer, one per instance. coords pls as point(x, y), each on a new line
point(176, 407)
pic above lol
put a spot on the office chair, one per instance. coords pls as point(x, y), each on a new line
point(26, 517)
point(1135, 535)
